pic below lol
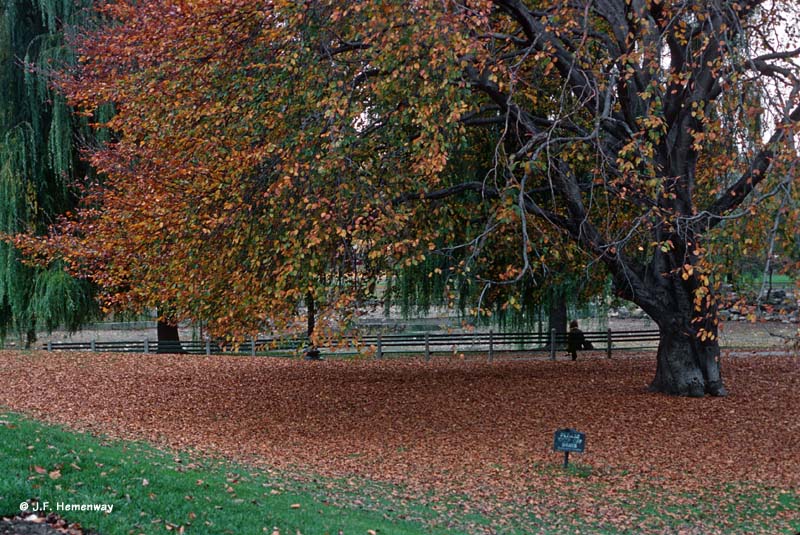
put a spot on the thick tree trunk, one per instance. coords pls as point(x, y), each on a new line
point(168, 338)
point(311, 353)
point(312, 314)
point(687, 367)
point(30, 338)
point(684, 307)
point(557, 317)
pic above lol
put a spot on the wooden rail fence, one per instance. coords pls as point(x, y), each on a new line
point(383, 345)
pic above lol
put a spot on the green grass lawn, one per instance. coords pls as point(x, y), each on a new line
point(152, 491)
point(156, 491)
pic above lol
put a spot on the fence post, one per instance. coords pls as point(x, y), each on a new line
point(427, 347)
point(491, 345)
point(92, 346)
point(379, 354)
point(208, 346)
point(553, 344)
point(49, 345)
point(252, 346)
point(608, 343)
point(146, 345)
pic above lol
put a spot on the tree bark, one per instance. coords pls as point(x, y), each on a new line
point(168, 337)
point(30, 338)
point(683, 305)
point(557, 317)
point(688, 357)
point(312, 314)
point(686, 366)
point(311, 353)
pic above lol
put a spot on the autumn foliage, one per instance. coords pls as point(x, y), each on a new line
point(267, 155)
point(224, 197)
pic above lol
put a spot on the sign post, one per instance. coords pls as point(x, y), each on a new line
point(568, 440)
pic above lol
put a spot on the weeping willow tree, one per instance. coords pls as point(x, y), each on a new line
point(477, 269)
point(530, 304)
point(39, 165)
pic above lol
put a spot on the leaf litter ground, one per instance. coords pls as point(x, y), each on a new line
point(480, 432)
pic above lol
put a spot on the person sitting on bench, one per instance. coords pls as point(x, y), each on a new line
point(576, 340)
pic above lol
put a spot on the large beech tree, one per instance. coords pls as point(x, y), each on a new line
point(273, 150)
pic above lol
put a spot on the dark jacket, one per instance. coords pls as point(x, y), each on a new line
point(576, 340)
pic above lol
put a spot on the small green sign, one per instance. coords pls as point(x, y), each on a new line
point(569, 440)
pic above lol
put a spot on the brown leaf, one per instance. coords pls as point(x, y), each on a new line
point(461, 427)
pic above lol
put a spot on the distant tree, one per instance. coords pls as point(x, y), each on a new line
point(39, 166)
point(263, 147)
point(757, 240)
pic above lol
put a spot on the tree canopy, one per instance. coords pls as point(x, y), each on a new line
point(267, 152)
point(39, 164)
